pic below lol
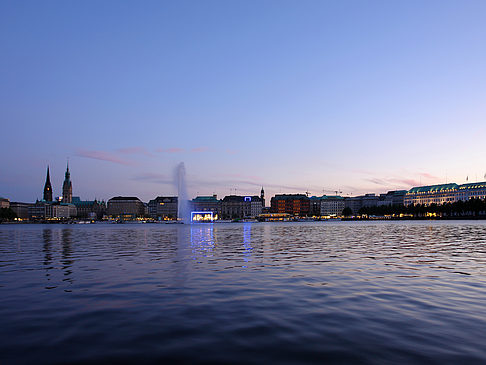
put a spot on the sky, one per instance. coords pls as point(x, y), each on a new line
point(295, 96)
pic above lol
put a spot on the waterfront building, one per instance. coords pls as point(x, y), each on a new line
point(89, 208)
point(126, 207)
point(163, 207)
point(472, 190)
point(207, 204)
point(63, 210)
point(67, 188)
point(257, 203)
point(294, 204)
point(40, 210)
point(355, 203)
point(4, 203)
point(48, 188)
point(332, 205)
point(48, 210)
point(445, 193)
point(438, 194)
point(237, 207)
point(315, 205)
point(392, 198)
point(21, 209)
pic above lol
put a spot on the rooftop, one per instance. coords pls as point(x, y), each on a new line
point(290, 196)
point(125, 198)
point(433, 188)
point(476, 185)
point(205, 199)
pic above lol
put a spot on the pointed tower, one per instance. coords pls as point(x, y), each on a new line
point(262, 196)
point(48, 187)
point(67, 188)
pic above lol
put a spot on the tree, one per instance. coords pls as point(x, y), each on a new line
point(347, 212)
point(7, 214)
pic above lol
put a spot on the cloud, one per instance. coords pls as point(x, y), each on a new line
point(152, 177)
point(134, 151)
point(389, 182)
point(428, 176)
point(103, 156)
point(200, 149)
point(170, 150)
point(231, 152)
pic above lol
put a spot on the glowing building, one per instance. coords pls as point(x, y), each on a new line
point(293, 204)
point(445, 193)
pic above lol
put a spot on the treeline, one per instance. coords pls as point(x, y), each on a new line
point(471, 208)
point(7, 214)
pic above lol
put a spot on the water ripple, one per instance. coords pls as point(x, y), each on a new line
point(343, 292)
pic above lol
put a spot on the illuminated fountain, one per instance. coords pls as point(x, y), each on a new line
point(183, 211)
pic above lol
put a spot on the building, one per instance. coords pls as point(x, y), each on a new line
point(67, 188)
point(207, 204)
point(293, 204)
point(332, 205)
point(471, 190)
point(21, 209)
point(93, 209)
point(163, 207)
point(315, 205)
point(445, 193)
point(257, 204)
point(438, 194)
point(4, 203)
point(63, 210)
point(237, 207)
point(126, 207)
point(392, 198)
point(48, 188)
point(40, 210)
point(355, 203)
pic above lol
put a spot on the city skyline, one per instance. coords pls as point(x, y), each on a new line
point(294, 97)
point(67, 194)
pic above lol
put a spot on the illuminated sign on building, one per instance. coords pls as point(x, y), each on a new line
point(201, 217)
point(248, 198)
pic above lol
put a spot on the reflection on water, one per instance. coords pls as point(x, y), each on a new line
point(202, 240)
point(344, 292)
point(247, 242)
point(50, 249)
point(47, 239)
point(66, 258)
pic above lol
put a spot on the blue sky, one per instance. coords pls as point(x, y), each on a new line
point(356, 96)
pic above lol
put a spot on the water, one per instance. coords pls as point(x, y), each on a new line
point(284, 293)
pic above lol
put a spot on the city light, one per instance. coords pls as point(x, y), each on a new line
point(202, 217)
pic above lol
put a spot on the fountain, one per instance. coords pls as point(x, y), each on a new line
point(183, 211)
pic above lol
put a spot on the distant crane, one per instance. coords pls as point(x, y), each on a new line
point(332, 191)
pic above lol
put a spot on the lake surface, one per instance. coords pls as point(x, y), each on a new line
point(283, 293)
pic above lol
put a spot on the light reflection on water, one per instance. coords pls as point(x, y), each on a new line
point(344, 292)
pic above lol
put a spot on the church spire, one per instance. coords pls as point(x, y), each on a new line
point(68, 174)
point(67, 188)
point(48, 187)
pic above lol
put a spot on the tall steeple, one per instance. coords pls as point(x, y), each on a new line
point(67, 188)
point(262, 196)
point(48, 187)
